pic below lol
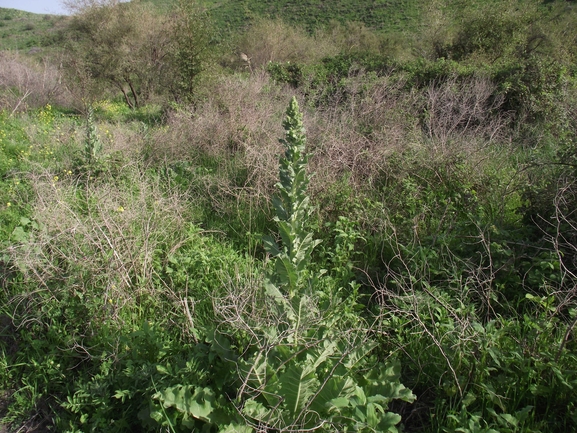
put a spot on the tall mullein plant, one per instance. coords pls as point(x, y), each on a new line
point(293, 209)
point(92, 144)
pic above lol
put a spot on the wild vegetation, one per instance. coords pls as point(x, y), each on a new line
point(331, 223)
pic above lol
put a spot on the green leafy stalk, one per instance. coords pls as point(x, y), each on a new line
point(292, 207)
point(92, 144)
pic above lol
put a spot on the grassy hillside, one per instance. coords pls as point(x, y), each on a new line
point(382, 15)
point(311, 14)
point(23, 30)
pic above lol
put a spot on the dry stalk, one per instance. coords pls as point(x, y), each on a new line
point(563, 237)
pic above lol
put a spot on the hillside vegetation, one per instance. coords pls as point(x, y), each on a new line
point(279, 216)
point(390, 15)
point(24, 31)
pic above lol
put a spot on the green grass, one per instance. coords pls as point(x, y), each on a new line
point(388, 15)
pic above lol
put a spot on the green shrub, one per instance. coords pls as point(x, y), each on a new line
point(192, 49)
point(534, 91)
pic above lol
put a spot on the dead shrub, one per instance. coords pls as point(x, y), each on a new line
point(99, 238)
point(560, 231)
point(79, 6)
point(239, 127)
point(458, 109)
point(240, 124)
point(123, 139)
point(355, 137)
point(275, 41)
point(24, 84)
point(353, 37)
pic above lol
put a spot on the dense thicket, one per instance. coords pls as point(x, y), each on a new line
point(167, 264)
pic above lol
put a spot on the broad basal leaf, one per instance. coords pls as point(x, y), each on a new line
point(387, 422)
point(256, 411)
point(195, 401)
point(382, 384)
point(335, 393)
point(297, 385)
point(271, 246)
point(358, 353)
point(236, 428)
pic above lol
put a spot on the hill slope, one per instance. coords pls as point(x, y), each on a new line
point(23, 31)
point(378, 14)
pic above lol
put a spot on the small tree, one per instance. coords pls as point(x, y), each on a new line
point(137, 50)
point(191, 52)
point(119, 45)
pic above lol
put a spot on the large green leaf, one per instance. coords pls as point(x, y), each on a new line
point(255, 371)
point(280, 209)
point(387, 422)
point(318, 357)
point(297, 385)
point(219, 346)
point(236, 428)
point(194, 401)
point(334, 394)
point(372, 415)
point(360, 350)
point(287, 235)
point(286, 272)
point(271, 246)
point(382, 383)
point(273, 291)
point(257, 411)
point(302, 252)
